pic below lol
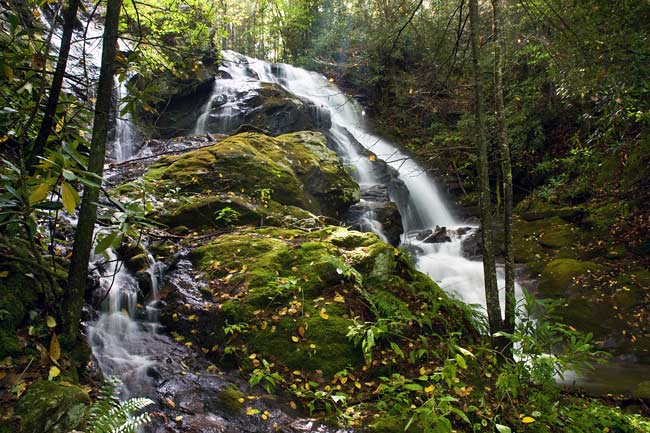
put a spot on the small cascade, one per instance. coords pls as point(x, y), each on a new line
point(121, 337)
point(423, 209)
point(126, 135)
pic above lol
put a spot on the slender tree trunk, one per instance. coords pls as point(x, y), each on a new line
point(506, 168)
point(57, 83)
point(489, 266)
point(77, 277)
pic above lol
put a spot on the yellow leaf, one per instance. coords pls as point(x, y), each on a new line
point(297, 372)
point(39, 193)
point(4, 138)
point(293, 405)
point(178, 418)
point(252, 356)
point(429, 389)
point(241, 400)
point(54, 372)
point(301, 331)
point(372, 157)
point(69, 196)
point(295, 339)
point(252, 411)
point(528, 419)
point(357, 385)
point(170, 403)
point(4, 274)
point(192, 317)
point(55, 348)
point(51, 323)
point(339, 298)
point(323, 314)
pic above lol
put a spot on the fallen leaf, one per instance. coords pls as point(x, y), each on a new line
point(55, 348)
point(54, 372)
point(528, 419)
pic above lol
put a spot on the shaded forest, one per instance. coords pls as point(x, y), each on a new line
point(324, 215)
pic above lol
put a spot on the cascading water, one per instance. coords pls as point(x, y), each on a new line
point(126, 135)
point(120, 343)
point(425, 207)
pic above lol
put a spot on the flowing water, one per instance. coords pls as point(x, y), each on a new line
point(126, 135)
point(425, 207)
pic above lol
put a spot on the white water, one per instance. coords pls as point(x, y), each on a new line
point(126, 135)
point(120, 342)
point(426, 207)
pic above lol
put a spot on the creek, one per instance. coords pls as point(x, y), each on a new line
point(126, 337)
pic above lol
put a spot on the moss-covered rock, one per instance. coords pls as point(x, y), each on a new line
point(291, 296)
point(261, 178)
point(559, 275)
point(52, 407)
point(231, 399)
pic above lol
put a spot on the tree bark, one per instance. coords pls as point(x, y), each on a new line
point(77, 277)
point(57, 83)
point(489, 265)
point(506, 169)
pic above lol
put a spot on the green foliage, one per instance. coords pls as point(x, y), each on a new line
point(264, 375)
point(109, 415)
point(227, 216)
point(543, 349)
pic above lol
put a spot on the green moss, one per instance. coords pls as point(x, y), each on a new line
point(298, 170)
point(231, 399)
point(558, 236)
point(9, 345)
point(332, 353)
point(51, 407)
point(559, 275)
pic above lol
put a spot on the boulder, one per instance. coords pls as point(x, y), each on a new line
point(438, 235)
point(52, 407)
point(252, 177)
point(290, 296)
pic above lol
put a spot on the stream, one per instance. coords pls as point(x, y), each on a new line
point(125, 336)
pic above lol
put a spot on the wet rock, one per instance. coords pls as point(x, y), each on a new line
point(376, 208)
point(438, 235)
point(573, 214)
point(50, 407)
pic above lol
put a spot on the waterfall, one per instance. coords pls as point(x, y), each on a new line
point(425, 208)
point(120, 342)
point(126, 136)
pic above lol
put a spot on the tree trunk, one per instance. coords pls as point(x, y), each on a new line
point(57, 83)
point(506, 168)
point(489, 266)
point(74, 297)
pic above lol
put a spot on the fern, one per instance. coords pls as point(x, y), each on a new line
point(110, 415)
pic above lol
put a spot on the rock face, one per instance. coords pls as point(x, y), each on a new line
point(266, 108)
point(375, 203)
point(260, 178)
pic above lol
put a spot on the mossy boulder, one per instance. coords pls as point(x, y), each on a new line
point(52, 407)
point(560, 275)
point(230, 399)
point(291, 296)
point(20, 290)
point(259, 176)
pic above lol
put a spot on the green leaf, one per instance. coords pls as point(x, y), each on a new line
point(461, 361)
point(503, 428)
point(69, 196)
point(39, 193)
point(68, 175)
point(413, 387)
point(105, 243)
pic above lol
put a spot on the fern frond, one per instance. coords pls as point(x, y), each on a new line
point(109, 415)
